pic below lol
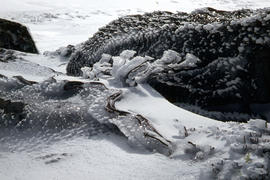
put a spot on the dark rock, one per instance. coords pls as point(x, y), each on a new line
point(73, 85)
point(11, 107)
point(2, 76)
point(63, 52)
point(24, 81)
point(7, 55)
point(233, 46)
point(16, 36)
point(71, 88)
point(13, 111)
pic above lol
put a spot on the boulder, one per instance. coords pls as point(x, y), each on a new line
point(16, 36)
point(233, 48)
point(209, 33)
point(12, 112)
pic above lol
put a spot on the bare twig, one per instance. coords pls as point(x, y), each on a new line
point(186, 132)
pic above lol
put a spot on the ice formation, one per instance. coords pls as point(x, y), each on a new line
point(130, 70)
point(221, 60)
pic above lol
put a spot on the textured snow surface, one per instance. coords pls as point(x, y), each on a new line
point(64, 134)
point(202, 148)
point(59, 23)
point(107, 156)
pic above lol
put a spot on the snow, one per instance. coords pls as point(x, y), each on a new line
point(54, 24)
point(190, 61)
point(123, 65)
point(97, 158)
point(165, 116)
point(58, 23)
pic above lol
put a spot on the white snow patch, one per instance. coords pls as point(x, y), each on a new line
point(165, 116)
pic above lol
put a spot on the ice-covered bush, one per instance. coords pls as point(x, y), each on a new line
point(130, 70)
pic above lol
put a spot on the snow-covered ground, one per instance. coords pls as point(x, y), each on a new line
point(56, 23)
point(109, 156)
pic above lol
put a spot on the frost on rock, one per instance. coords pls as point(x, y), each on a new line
point(206, 33)
point(220, 60)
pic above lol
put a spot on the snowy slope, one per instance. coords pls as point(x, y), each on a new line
point(67, 156)
point(95, 158)
point(197, 142)
point(59, 23)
